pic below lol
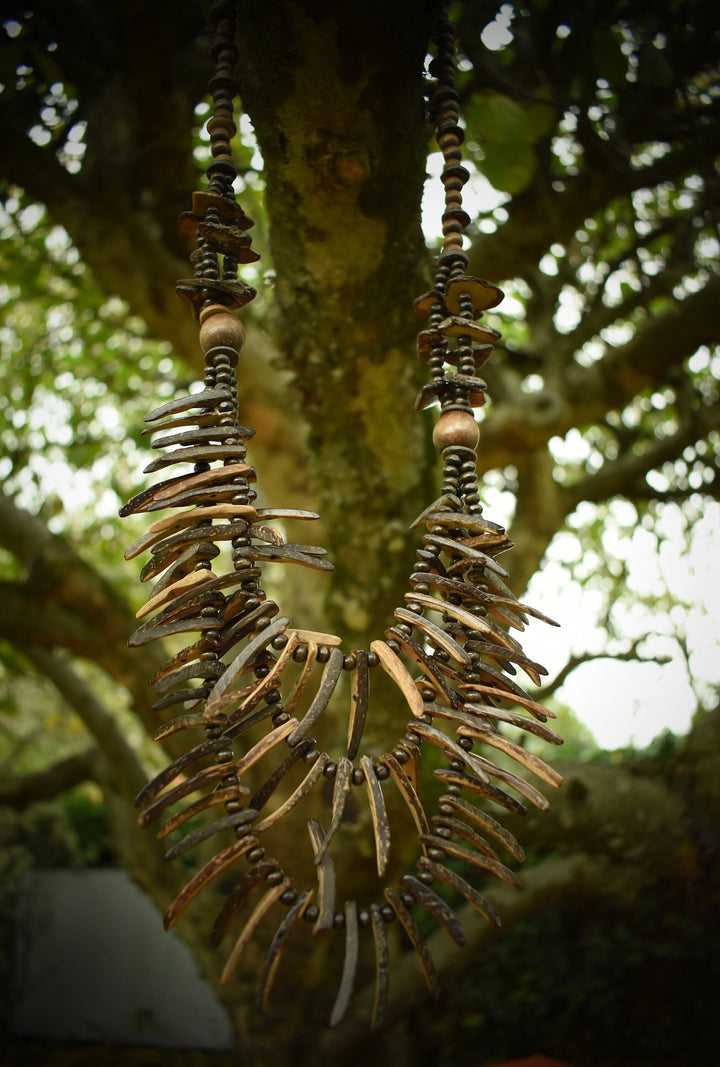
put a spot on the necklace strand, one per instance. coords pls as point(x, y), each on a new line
point(255, 673)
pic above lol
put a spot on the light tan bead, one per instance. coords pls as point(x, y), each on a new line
point(456, 428)
point(220, 327)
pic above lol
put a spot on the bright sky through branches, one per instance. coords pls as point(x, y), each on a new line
point(620, 702)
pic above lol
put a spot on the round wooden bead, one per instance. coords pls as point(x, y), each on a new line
point(218, 326)
point(455, 428)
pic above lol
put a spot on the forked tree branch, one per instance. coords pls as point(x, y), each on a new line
point(585, 394)
point(626, 475)
point(628, 655)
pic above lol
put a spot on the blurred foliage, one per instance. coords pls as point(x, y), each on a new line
point(76, 365)
point(584, 985)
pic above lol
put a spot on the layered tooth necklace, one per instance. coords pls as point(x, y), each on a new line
point(252, 691)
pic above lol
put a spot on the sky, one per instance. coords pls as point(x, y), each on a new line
point(631, 703)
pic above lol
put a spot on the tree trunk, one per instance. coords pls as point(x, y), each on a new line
point(336, 102)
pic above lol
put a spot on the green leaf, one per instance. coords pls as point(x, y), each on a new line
point(508, 131)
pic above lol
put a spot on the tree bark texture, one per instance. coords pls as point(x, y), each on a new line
point(336, 100)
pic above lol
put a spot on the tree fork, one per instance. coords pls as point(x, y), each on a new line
point(337, 109)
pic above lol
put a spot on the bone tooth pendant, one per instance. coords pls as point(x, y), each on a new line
point(347, 979)
point(416, 940)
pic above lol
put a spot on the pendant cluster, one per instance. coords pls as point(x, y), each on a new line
point(252, 691)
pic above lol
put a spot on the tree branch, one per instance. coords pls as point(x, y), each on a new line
point(64, 602)
point(585, 394)
point(540, 510)
point(119, 755)
point(598, 315)
point(19, 791)
point(541, 209)
point(627, 655)
point(626, 475)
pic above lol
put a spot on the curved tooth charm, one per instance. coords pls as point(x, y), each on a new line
point(277, 945)
point(330, 678)
point(341, 791)
point(416, 940)
point(302, 790)
point(326, 879)
point(262, 908)
point(382, 975)
point(407, 792)
point(436, 906)
point(394, 667)
point(347, 979)
point(205, 875)
point(381, 825)
point(359, 702)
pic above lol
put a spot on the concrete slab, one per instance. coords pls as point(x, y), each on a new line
point(94, 964)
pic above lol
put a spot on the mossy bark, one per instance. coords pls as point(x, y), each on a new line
point(337, 104)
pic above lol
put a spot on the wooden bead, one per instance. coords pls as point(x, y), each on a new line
point(219, 327)
point(455, 428)
point(222, 124)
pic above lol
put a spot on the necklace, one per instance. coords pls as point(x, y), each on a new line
point(252, 687)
